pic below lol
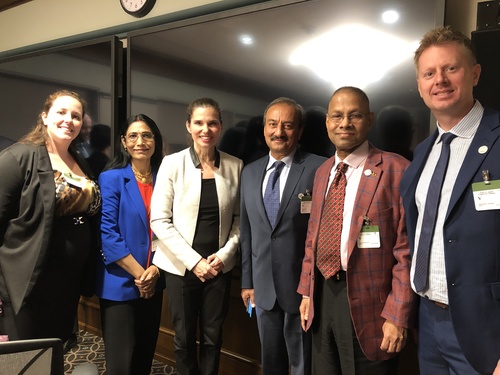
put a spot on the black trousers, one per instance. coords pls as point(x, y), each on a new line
point(336, 350)
point(130, 330)
point(50, 309)
point(193, 305)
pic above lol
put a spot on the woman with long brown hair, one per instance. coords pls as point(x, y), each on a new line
point(48, 202)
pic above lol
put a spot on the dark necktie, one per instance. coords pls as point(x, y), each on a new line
point(421, 277)
point(272, 193)
point(330, 228)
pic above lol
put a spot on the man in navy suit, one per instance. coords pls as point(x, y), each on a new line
point(459, 330)
point(272, 252)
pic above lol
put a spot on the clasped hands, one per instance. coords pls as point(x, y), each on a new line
point(147, 282)
point(207, 269)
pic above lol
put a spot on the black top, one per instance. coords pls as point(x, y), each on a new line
point(206, 237)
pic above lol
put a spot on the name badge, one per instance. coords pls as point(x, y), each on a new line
point(305, 204)
point(369, 238)
point(486, 195)
point(74, 180)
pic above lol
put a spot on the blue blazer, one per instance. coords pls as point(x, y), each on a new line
point(124, 230)
point(272, 258)
point(472, 245)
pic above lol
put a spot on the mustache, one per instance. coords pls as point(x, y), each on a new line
point(282, 137)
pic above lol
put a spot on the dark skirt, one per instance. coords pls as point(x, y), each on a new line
point(50, 309)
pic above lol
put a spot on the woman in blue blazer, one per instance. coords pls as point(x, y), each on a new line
point(128, 284)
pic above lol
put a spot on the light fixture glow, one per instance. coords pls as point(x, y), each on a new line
point(246, 40)
point(390, 16)
point(352, 55)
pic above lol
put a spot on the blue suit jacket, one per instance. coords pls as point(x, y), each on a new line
point(472, 245)
point(124, 230)
point(272, 258)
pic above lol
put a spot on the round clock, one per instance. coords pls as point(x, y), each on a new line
point(137, 8)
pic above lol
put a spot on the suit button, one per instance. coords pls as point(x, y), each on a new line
point(273, 238)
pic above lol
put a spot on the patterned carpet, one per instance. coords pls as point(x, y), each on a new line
point(90, 348)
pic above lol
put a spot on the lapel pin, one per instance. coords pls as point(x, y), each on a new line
point(482, 149)
point(368, 172)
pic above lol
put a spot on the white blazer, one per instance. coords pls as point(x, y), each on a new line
point(174, 211)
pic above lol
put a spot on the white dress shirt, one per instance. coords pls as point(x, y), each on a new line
point(355, 161)
point(288, 160)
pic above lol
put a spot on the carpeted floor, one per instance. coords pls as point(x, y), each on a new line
point(90, 348)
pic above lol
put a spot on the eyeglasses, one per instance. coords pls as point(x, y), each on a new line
point(353, 118)
point(133, 137)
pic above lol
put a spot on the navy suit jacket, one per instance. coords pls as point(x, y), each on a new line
point(124, 230)
point(272, 258)
point(471, 245)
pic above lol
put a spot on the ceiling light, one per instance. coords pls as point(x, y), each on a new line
point(352, 55)
point(246, 40)
point(390, 16)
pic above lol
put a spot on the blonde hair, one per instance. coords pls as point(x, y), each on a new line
point(444, 35)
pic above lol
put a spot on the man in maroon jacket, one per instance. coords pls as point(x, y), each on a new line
point(365, 305)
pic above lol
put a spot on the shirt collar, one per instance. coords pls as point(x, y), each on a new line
point(288, 160)
point(356, 158)
point(196, 160)
point(466, 127)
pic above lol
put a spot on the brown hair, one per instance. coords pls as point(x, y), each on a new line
point(443, 35)
point(203, 103)
point(38, 134)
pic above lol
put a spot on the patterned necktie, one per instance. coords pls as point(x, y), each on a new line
point(272, 193)
point(421, 277)
point(330, 229)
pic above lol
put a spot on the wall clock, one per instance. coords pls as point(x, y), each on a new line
point(137, 8)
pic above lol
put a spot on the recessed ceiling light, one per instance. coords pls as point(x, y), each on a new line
point(390, 16)
point(246, 40)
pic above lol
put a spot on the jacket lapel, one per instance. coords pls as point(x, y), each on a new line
point(366, 191)
point(47, 184)
point(134, 194)
point(296, 170)
point(417, 165)
point(257, 189)
point(487, 134)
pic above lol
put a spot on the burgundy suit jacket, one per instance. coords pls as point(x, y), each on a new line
point(378, 279)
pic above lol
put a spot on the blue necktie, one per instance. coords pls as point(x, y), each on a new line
point(272, 193)
point(421, 277)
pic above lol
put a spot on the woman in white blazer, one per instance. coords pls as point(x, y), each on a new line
point(195, 216)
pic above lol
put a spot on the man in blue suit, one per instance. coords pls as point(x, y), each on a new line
point(459, 330)
point(272, 245)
